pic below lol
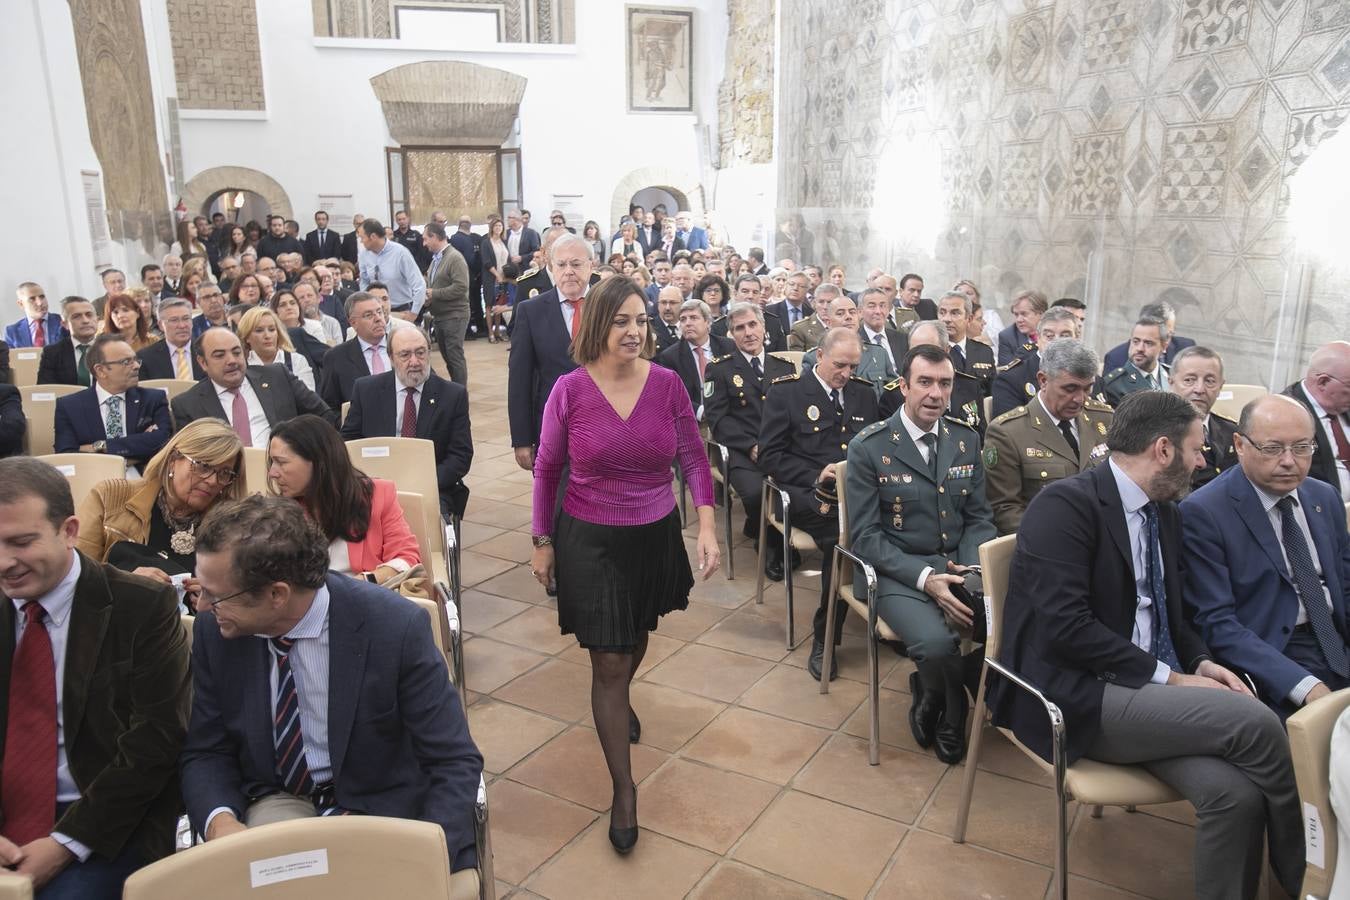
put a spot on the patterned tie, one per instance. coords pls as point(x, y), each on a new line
point(930, 440)
point(1309, 587)
point(576, 314)
point(409, 428)
point(1066, 429)
point(81, 370)
point(376, 361)
point(435, 262)
point(292, 767)
point(182, 371)
point(758, 367)
point(28, 781)
point(114, 425)
point(239, 418)
point(1162, 633)
point(39, 333)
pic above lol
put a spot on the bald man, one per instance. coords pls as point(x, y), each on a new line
point(1325, 391)
point(1268, 561)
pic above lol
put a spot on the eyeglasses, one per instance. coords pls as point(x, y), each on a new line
point(213, 601)
point(125, 363)
point(1272, 450)
point(224, 476)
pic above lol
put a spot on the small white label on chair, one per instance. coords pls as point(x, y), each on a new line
point(305, 864)
point(42, 398)
point(1225, 395)
point(28, 355)
point(368, 452)
point(988, 614)
point(1314, 836)
point(68, 471)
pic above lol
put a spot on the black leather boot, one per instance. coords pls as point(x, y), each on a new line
point(924, 711)
point(950, 743)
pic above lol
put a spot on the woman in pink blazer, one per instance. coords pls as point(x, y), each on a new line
point(368, 535)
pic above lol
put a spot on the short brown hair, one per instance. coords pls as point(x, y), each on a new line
point(597, 313)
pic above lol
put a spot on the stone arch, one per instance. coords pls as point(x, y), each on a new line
point(449, 102)
point(676, 181)
point(206, 184)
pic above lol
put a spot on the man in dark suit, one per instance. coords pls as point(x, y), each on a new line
point(1094, 616)
point(94, 696)
point(1019, 338)
point(277, 241)
point(969, 357)
point(521, 240)
point(413, 401)
point(1325, 391)
point(321, 243)
point(666, 323)
point(114, 416)
point(1268, 561)
point(911, 297)
point(252, 399)
point(13, 423)
point(543, 327)
point(448, 300)
point(876, 330)
point(756, 258)
point(65, 361)
point(351, 244)
point(668, 242)
point(1119, 355)
point(1015, 383)
point(468, 245)
point(795, 307)
point(363, 355)
point(344, 706)
point(37, 327)
point(172, 357)
point(695, 351)
point(1197, 376)
point(695, 238)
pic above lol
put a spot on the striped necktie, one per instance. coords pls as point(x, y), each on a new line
point(292, 767)
point(182, 371)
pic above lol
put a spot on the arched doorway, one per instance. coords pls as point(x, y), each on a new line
point(650, 197)
point(683, 188)
point(206, 187)
point(238, 206)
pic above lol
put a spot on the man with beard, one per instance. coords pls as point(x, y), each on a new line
point(1145, 371)
point(1094, 615)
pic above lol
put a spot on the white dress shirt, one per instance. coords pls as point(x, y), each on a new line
point(885, 344)
point(1133, 498)
point(513, 242)
point(58, 603)
point(567, 310)
point(916, 435)
point(1324, 425)
point(258, 426)
point(706, 350)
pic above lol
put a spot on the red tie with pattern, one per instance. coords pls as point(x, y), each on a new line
point(28, 778)
point(39, 335)
point(409, 428)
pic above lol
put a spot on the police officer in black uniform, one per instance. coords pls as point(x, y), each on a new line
point(809, 418)
point(1197, 376)
point(748, 290)
point(1015, 383)
point(967, 398)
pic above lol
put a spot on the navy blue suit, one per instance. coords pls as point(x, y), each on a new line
point(694, 239)
point(397, 734)
point(13, 423)
point(1119, 355)
point(18, 334)
point(1012, 344)
point(145, 418)
point(539, 357)
point(1237, 583)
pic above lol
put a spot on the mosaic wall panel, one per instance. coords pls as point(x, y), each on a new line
point(216, 62)
point(1116, 150)
point(451, 179)
point(518, 21)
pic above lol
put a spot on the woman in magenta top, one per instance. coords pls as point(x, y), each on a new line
point(616, 549)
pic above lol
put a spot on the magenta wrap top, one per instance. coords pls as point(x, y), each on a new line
point(620, 471)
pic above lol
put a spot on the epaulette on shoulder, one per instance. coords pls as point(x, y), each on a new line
point(1115, 373)
point(1222, 416)
point(1096, 405)
point(721, 358)
point(857, 379)
point(1015, 413)
point(872, 429)
point(955, 421)
point(891, 385)
point(1012, 365)
point(791, 376)
point(774, 314)
point(528, 273)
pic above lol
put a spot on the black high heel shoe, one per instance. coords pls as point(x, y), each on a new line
point(634, 727)
point(624, 839)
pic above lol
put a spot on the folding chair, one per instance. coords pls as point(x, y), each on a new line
point(84, 470)
point(412, 505)
point(1235, 396)
point(792, 540)
point(39, 407)
point(1310, 731)
point(411, 464)
point(23, 365)
point(255, 470)
point(16, 887)
point(1087, 781)
point(171, 386)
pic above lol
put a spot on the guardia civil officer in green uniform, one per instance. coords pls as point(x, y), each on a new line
point(1059, 432)
point(1197, 375)
point(1145, 371)
point(875, 366)
point(967, 402)
point(917, 511)
point(809, 418)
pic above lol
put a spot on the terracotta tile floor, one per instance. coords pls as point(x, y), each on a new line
point(751, 783)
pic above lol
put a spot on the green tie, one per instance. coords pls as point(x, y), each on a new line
point(81, 370)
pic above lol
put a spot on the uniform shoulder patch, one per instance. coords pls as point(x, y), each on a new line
point(1016, 412)
point(528, 273)
point(1115, 373)
point(1096, 405)
point(872, 429)
point(955, 421)
point(1220, 416)
point(722, 358)
point(791, 376)
point(1012, 365)
point(860, 380)
point(891, 385)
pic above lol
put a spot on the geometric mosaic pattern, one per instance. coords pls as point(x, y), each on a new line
point(1194, 162)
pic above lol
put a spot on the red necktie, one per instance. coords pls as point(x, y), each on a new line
point(39, 337)
point(576, 314)
point(28, 780)
point(1342, 445)
point(409, 428)
point(239, 413)
point(702, 362)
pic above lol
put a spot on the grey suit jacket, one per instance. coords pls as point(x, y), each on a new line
point(282, 395)
point(448, 286)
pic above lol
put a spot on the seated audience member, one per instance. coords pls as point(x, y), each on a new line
point(1077, 307)
point(114, 282)
point(1268, 561)
point(172, 264)
point(875, 366)
point(246, 290)
point(806, 334)
point(312, 318)
point(1197, 377)
point(873, 313)
point(148, 526)
point(365, 354)
point(367, 535)
point(1325, 391)
point(967, 404)
point(956, 310)
point(122, 317)
point(1120, 354)
point(1058, 433)
point(64, 361)
point(146, 304)
point(252, 399)
point(214, 312)
point(1020, 338)
point(387, 737)
point(1095, 616)
point(1145, 370)
point(90, 787)
point(917, 512)
point(288, 309)
point(413, 401)
point(261, 331)
point(749, 290)
point(36, 327)
point(13, 423)
point(690, 356)
point(665, 325)
point(1015, 383)
point(172, 357)
point(712, 289)
point(114, 416)
point(392, 322)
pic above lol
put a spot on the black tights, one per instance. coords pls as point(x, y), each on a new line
point(611, 674)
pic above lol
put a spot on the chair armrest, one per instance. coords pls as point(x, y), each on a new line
point(1052, 711)
point(869, 572)
point(771, 485)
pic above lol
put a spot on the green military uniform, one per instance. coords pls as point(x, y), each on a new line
point(1118, 383)
point(1220, 454)
point(806, 334)
point(1025, 450)
point(903, 318)
point(966, 404)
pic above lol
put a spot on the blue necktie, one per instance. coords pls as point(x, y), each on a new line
point(1309, 587)
point(1162, 632)
point(292, 767)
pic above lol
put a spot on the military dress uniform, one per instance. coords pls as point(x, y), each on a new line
point(534, 280)
point(1025, 450)
point(733, 407)
point(1220, 454)
point(1015, 382)
point(977, 361)
point(874, 366)
point(1118, 383)
point(966, 404)
point(906, 514)
point(803, 431)
point(775, 337)
point(903, 318)
point(806, 334)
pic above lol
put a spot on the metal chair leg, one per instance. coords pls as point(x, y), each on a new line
point(487, 881)
point(827, 660)
point(972, 764)
point(787, 573)
point(763, 541)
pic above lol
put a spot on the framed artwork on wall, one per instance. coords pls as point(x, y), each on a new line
point(660, 59)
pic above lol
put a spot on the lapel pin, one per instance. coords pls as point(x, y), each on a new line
point(431, 399)
point(264, 384)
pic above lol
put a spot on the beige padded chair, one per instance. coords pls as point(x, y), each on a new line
point(39, 407)
point(171, 386)
point(16, 887)
point(255, 470)
point(84, 470)
point(1310, 732)
point(337, 858)
point(1087, 781)
point(1235, 396)
point(792, 540)
point(345, 407)
point(411, 464)
point(412, 505)
point(188, 624)
point(23, 365)
point(792, 356)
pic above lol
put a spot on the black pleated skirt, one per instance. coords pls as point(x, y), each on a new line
point(616, 581)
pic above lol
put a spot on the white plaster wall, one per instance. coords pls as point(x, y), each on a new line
point(324, 131)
